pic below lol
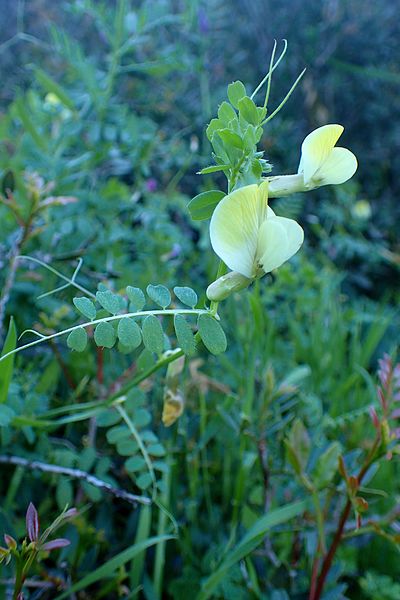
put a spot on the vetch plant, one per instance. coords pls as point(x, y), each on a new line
point(245, 233)
point(158, 328)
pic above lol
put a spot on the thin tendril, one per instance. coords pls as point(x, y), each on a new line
point(273, 69)
point(142, 313)
point(286, 98)
point(271, 64)
point(70, 281)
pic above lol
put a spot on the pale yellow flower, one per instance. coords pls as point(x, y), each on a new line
point(247, 235)
point(322, 162)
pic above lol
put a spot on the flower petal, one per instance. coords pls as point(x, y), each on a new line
point(340, 165)
point(316, 148)
point(234, 228)
point(279, 239)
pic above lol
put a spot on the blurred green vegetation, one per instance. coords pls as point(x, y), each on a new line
point(103, 108)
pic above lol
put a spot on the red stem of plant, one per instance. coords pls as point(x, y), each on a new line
point(314, 573)
point(326, 565)
point(327, 562)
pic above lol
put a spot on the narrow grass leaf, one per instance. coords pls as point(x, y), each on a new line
point(111, 566)
point(53, 87)
point(249, 542)
point(7, 365)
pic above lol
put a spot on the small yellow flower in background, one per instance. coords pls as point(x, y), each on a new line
point(247, 235)
point(361, 210)
point(52, 99)
point(322, 163)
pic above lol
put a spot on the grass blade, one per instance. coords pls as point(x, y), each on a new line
point(113, 564)
point(7, 366)
point(249, 542)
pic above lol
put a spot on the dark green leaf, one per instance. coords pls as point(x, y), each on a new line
point(300, 443)
point(6, 415)
point(141, 417)
point(248, 111)
point(212, 334)
point(7, 365)
point(249, 542)
point(113, 565)
point(159, 294)
point(127, 447)
point(202, 206)
point(144, 480)
point(77, 339)
point(86, 307)
point(25, 117)
point(156, 450)
point(135, 463)
point(104, 335)
point(118, 433)
point(236, 91)
point(108, 417)
point(327, 465)
point(145, 360)
point(184, 335)
point(129, 333)
point(136, 298)
point(52, 86)
point(153, 336)
point(8, 183)
point(186, 295)
point(226, 113)
point(109, 301)
point(230, 138)
point(214, 169)
point(212, 127)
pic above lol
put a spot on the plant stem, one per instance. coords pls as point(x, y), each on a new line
point(315, 594)
point(18, 579)
point(76, 474)
point(143, 313)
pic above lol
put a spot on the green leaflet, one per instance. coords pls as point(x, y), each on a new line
point(212, 334)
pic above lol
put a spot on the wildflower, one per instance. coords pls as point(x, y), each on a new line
point(322, 162)
point(251, 240)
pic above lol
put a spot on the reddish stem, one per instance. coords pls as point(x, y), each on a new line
point(326, 565)
point(314, 573)
point(327, 562)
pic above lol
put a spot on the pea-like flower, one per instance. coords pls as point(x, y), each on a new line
point(322, 162)
point(251, 240)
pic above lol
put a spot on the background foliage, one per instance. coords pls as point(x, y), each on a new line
point(102, 126)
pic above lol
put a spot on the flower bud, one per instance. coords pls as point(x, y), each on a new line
point(9, 540)
point(226, 285)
